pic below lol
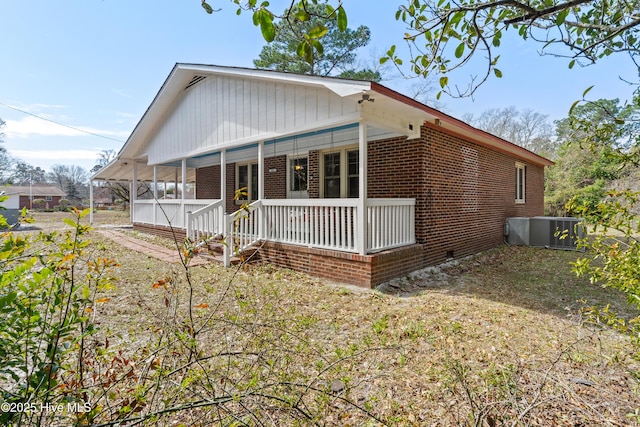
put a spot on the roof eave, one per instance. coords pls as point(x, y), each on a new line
point(459, 128)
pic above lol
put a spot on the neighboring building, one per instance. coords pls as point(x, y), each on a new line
point(20, 196)
point(347, 179)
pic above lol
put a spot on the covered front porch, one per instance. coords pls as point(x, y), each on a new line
point(305, 218)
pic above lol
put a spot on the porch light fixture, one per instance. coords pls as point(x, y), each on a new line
point(365, 97)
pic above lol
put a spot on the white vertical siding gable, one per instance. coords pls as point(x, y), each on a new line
point(221, 110)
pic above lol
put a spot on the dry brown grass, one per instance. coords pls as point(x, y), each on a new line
point(495, 339)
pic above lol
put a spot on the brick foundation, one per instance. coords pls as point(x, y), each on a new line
point(161, 231)
point(361, 270)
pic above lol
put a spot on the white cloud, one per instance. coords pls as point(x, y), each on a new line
point(30, 155)
point(30, 126)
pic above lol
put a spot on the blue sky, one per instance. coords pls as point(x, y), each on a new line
point(95, 65)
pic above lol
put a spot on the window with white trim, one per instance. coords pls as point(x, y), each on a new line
point(298, 177)
point(521, 173)
point(247, 179)
point(339, 173)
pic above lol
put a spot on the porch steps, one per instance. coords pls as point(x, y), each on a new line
point(215, 253)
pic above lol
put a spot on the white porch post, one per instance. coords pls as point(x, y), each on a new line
point(133, 195)
point(223, 178)
point(260, 188)
point(362, 189)
point(226, 254)
point(91, 201)
point(184, 179)
point(175, 185)
point(155, 194)
point(155, 182)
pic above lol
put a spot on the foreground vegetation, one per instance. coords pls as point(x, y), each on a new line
point(496, 339)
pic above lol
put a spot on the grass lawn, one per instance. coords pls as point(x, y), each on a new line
point(495, 339)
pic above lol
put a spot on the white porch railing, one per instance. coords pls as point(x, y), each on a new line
point(326, 223)
point(390, 223)
point(206, 222)
point(244, 228)
point(319, 223)
point(167, 212)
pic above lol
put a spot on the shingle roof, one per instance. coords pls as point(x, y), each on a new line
point(35, 190)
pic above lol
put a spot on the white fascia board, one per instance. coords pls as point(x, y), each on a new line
point(339, 86)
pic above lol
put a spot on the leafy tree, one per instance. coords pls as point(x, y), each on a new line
point(444, 36)
point(526, 128)
point(5, 158)
point(335, 56)
point(593, 138)
point(69, 178)
point(23, 173)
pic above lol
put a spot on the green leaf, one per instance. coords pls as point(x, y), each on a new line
point(573, 106)
point(391, 50)
point(317, 46)
point(302, 15)
point(586, 91)
point(444, 81)
point(305, 51)
point(318, 32)
point(267, 27)
point(459, 50)
point(342, 19)
point(497, 72)
point(456, 18)
point(207, 7)
point(562, 16)
point(572, 63)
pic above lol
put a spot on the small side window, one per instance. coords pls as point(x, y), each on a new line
point(521, 173)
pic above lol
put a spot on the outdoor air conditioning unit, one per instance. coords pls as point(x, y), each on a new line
point(545, 231)
point(556, 232)
point(516, 231)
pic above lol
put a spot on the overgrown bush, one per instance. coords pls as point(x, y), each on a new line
point(38, 204)
point(48, 290)
point(236, 359)
point(613, 253)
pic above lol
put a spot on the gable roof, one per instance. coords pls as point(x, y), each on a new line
point(37, 190)
point(344, 98)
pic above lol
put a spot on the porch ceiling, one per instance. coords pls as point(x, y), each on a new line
point(122, 170)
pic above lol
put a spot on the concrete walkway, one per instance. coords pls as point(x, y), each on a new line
point(156, 251)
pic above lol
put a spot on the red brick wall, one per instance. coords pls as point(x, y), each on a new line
point(208, 182)
point(231, 188)
point(158, 230)
point(275, 183)
point(463, 191)
point(55, 201)
point(361, 270)
point(314, 175)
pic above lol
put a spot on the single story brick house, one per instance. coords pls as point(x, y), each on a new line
point(21, 196)
point(347, 180)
